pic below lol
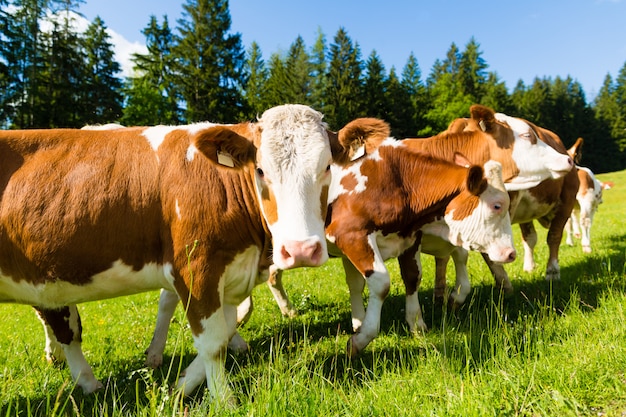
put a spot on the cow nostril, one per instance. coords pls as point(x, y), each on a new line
point(512, 256)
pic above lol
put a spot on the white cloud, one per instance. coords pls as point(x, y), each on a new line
point(122, 48)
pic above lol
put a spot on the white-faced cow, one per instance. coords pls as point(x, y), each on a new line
point(588, 199)
point(92, 214)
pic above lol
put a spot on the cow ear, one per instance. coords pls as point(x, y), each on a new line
point(360, 137)
point(461, 160)
point(484, 116)
point(476, 183)
point(576, 150)
point(225, 147)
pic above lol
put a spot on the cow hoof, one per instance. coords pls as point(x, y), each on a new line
point(91, 386)
point(153, 361)
point(553, 275)
point(587, 249)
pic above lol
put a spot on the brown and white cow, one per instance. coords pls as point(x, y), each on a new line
point(588, 199)
point(550, 202)
point(93, 214)
point(378, 206)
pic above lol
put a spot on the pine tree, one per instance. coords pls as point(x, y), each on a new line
point(418, 106)
point(472, 71)
point(101, 98)
point(447, 96)
point(344, 88)
point(399, 107)
point(257, 79)
point(319, 68)
point(209, 63)
point(274, 93)
point(374, 86)
point(23, 56)
point(61, 77)
point(297, 73)
point(151, 96)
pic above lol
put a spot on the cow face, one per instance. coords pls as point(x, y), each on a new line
point(535, 160)
point(478, 218)
point(292, 180)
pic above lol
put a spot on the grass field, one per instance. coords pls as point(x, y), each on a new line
point(551, 349)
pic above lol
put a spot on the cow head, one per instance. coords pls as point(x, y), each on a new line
point(291, 154)
point(526, 159)
point(478, 218)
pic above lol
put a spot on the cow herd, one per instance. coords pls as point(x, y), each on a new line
point(207, 211)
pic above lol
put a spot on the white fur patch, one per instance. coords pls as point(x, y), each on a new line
point(117, 281)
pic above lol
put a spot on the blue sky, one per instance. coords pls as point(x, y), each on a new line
point(585, 39)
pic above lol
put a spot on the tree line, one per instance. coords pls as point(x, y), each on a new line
point(54, 75)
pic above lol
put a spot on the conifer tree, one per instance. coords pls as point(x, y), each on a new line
point(101, 97)
point(151, 96)
point(257, 79)
point(344, 88)
point(297, 73)
point(61, 79)
point(411, 82)
point(374, 88)
point(319, 69)
point(209, 63)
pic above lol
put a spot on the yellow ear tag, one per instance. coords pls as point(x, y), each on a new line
point(225, 159)
point(482, 125)
point(359, 152)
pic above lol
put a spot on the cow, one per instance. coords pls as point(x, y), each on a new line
point(201, 210)
point(588, 199)
point(550, 202)
point(382, 203)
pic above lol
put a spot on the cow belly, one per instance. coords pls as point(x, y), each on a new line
point(241, 275)
point(117, 281)
point(530, 209)
point(392, 245)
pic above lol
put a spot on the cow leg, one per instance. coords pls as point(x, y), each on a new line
point(53, 349)
point(500, 276)
point(167, 305)
point(586, 218)
point(244, 310)
point(441, 283)
point(67, 330)
point(569, 230)
point(529, 241)
point(275, 282)
point(378, 283)
point(411, 272)
point(356, 285)
point(462, 287)
point(211, 343)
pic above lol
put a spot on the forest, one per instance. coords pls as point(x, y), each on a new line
point(53, 75)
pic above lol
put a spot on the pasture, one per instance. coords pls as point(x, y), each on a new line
point(552, 348)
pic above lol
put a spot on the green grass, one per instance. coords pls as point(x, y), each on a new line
point(551, 349)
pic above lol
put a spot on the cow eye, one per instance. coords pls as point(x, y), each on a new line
point(260, 172)
point(328, 168)
point(497, 206)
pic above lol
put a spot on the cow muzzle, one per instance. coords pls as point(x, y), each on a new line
point(296, 253)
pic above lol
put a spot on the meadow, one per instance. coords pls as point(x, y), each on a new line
point(550, 349)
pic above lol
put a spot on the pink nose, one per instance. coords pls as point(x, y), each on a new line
point(297, 253)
